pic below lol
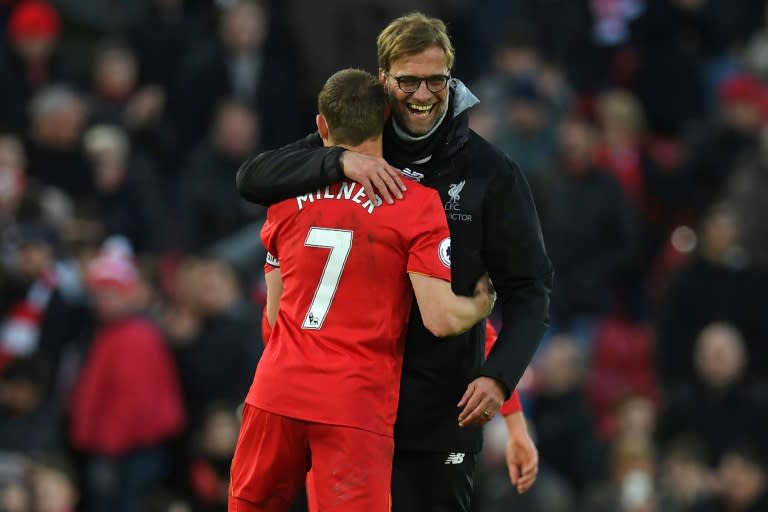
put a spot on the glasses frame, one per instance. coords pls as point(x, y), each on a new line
point(399, 79)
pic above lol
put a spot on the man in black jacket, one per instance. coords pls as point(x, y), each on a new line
point(494, 228)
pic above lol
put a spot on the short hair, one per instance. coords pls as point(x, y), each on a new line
point(412, 34)
point(54, 99)
point(354, 103)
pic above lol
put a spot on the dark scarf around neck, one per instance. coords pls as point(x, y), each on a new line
point(444, 142)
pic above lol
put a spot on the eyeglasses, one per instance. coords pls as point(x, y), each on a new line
point(411, 84)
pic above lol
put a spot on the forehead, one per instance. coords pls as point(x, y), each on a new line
point(430, 61)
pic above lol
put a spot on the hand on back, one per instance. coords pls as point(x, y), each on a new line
point(374, 174)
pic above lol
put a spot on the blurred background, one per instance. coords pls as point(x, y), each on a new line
point(131, 272)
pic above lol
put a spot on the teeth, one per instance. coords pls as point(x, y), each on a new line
point(421, 108)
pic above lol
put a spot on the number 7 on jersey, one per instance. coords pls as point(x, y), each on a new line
point(339, 241)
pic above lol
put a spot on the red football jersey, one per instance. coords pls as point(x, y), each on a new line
point(335, 352)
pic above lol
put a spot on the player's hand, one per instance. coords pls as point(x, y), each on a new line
point(485, 293)
point(522, 455)
point(374, 174)
point(481, 401)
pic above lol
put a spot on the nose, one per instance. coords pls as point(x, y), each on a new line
point(422, 92)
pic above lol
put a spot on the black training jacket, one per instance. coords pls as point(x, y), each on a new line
point(494, 227)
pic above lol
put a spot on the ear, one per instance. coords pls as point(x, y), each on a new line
point(383, 79)
point(322, 126)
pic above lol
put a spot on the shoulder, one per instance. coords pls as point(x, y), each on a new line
point(418, 194)
point(140, 329)
point(487, 160)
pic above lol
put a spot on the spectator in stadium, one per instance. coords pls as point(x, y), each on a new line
point(715, 284)
point(685, 480)
point(720, 146)
point(116, 97)
point(29, 415)
point(212, 208)
point(561, 416)
point(53, 483)
point(722, 405)
point(28, 63)
point(743, 483)
point(127, 403)
point(587, 221)
point(215, 335)
point(58, 117)
point(494, 227)
point(327, 385)
point(745, 191)
point(239, 64)
point(38, 314)
point(126, 198)
point(212, 447)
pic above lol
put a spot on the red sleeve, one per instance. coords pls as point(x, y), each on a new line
point(269, 236)
point(266, 330)
point(271, 263)
point(430, 249)
point(512, 405)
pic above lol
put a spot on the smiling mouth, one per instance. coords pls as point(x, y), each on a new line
point(420, 110)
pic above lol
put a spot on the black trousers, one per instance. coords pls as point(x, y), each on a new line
point(432, 482)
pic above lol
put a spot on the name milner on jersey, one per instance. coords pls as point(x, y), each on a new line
point(346, 191)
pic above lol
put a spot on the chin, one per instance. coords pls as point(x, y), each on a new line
point(418, 129)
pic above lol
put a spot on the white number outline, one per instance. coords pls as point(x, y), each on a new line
point(339, 241)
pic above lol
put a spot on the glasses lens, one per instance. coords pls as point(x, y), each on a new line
point(409, 83)
point(436, 83)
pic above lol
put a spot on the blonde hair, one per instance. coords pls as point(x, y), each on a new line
point(412, 34)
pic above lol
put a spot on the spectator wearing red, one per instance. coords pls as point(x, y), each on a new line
point(127, 403)
point(27, 63)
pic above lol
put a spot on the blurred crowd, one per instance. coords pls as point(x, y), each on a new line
point(130, 269)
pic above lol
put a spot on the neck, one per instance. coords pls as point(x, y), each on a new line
point(370, 147)
point(407, 137)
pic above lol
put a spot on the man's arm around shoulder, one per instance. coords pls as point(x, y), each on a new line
point(291, 170)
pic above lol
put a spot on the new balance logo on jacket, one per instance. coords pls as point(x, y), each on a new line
point(454, 458)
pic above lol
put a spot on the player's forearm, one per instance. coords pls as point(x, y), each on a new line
point(515, 421)
point(289, 171)
point(444, 313)
point(459, 315)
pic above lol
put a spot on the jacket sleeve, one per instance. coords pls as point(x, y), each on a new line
point(513, 404)
point(289, 171)
point(521, 273)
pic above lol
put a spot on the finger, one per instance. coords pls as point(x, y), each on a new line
point(467, 394)
point(375, 184)
point(514, 474)
point(390, 184)
point(473, 403)
point(530, 468)
point(397, 177)
point(527, 478)
point(477, 415)
point(381, 188)
point(525, 482)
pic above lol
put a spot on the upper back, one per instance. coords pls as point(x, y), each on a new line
point(343, 260)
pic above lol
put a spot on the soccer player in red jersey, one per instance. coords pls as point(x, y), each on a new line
point(325, 391)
